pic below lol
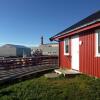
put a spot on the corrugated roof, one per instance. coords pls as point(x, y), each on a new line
point(88, 19)
point(12, 45)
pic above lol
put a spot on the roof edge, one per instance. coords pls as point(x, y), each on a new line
point(52, 38)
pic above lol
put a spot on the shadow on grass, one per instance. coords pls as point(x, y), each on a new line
point(3, 93)
point(21, 79)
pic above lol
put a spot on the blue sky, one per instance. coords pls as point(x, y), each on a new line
point(24, 21)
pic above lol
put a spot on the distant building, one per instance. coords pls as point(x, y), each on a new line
point(47, 49)
point(10, 50)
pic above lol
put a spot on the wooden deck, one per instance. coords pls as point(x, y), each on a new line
point(13, 68)
point(12, 74)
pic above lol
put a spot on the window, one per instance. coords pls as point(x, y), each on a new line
point(98, 43)
point(66, 46)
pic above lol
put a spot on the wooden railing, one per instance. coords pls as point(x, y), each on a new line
point(10, 63)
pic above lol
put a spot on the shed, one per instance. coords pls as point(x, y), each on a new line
point(79, 46)
point(10, 50)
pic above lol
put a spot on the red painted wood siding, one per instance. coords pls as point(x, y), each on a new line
point(64, 61)
point(89, 63)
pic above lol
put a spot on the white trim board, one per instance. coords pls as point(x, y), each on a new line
point(96, 43)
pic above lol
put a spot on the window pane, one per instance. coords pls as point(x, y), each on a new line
point(99, 42)
point(66, 46)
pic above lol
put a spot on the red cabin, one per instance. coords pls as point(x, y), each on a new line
point(79, 46)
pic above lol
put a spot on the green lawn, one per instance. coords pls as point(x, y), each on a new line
point(77, 88)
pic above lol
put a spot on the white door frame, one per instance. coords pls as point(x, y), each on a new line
point(75, 52)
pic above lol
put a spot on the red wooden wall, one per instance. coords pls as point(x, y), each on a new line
point(89, 63)
point(64, 61)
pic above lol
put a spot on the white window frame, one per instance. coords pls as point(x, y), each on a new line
point(65, 47)
point(96, 43)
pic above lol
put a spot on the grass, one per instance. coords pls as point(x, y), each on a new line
point(77, 88)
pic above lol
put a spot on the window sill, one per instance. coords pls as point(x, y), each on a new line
point(98, 55)
point(66, 54)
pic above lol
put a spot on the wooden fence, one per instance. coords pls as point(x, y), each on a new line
point(11, 63)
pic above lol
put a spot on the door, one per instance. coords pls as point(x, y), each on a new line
point(75, 52)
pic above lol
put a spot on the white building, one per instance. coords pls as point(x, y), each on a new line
point(47, 49)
